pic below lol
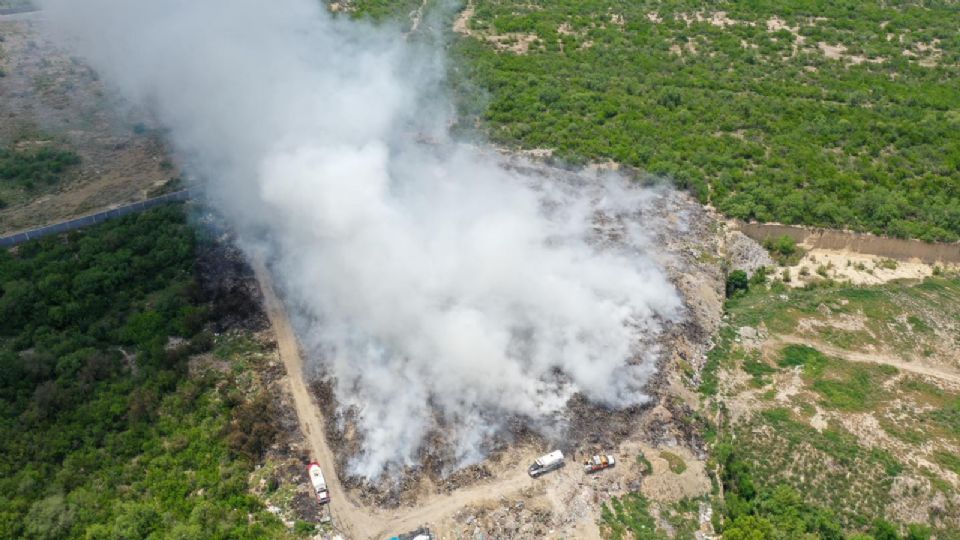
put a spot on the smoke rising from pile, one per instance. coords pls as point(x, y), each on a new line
point(431, 279)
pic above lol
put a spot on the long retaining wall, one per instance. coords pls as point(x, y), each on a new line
point(891, 248)
point(86, 221)
point(18, 10)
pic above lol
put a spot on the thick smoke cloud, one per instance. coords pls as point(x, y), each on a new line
point(428, 278)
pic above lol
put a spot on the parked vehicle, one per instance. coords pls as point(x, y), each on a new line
point(319, 483)
point(598, 463)
point(546, 463)
point(423, 533)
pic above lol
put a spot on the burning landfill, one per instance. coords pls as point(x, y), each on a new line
point(448, 297)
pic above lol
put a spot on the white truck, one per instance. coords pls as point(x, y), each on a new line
point(546, 463)
point(319, 484)
point(423, 533)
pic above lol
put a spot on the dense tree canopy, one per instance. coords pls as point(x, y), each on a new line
point(101, 433)
point(822, 112)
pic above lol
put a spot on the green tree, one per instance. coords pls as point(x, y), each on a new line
point(737, 281)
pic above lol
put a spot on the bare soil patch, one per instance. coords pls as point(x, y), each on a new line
point(49, 97)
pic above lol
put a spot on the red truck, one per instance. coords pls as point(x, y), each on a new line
point(598, 463)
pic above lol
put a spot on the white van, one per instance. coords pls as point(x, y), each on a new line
point(546, 463)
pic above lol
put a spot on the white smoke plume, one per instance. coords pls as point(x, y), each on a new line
point(433, 279)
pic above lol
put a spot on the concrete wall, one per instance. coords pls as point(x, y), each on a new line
point(86, 221)
point(18, 9)
point(892, 248)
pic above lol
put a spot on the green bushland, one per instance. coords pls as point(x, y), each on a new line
point(383, 10)
point(792, 450)
point(847, 386)
point(882, 310)
point(777, 450)
point(102, 432)
point(752, 116)
point(853, 387)
point(757, 120)
point(29, 169)
point(755, 507)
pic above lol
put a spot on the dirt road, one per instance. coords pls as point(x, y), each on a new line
point(868, 357)
point(347, 514)
point(351, 518)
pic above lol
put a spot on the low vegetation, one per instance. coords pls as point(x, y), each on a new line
point(29, 169)
point(756, 506)
point(784, 250)
point(773, 111)
point(25, 173)
point(395, 11)
point(629, 517)
point(675, 462)
point(776, 448)
point(800, 447)
point(102, 433)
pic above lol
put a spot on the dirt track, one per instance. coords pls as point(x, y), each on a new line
point(868, 357)
point(352, 519)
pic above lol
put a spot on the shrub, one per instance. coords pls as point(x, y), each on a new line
point(784, 246)
point(28, 168)
point(801, 355)
point(737, 281)
point(645, 466)
point(629, 517)
point(759, 276)
point(676, 463)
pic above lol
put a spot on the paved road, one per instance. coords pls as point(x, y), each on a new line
point(86, 221)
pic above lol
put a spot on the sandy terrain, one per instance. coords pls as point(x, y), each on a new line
point(856, 268)
point(462, 24)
